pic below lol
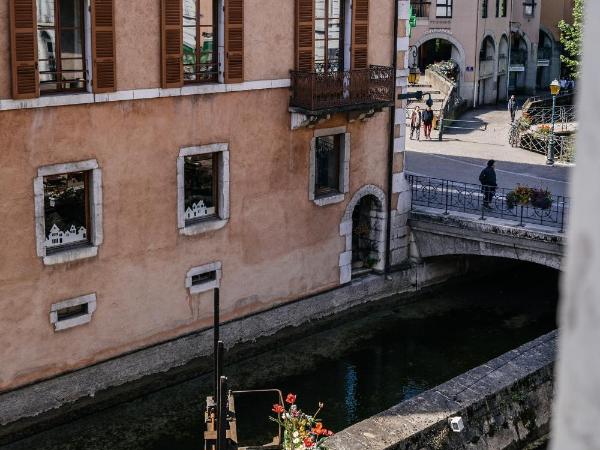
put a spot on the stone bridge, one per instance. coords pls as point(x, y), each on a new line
point(433, 233)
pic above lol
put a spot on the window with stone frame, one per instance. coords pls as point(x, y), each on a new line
point(66, 210)
point(200, 48)
point(529, 8)
point(443, 9)
point(61, 45)
point(327, 165)
point(200, 187)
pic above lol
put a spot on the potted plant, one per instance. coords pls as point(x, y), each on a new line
point(541, 198)
point(300, 431)
point(520, 195)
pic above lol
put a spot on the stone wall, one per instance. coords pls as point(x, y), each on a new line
point(503, 404)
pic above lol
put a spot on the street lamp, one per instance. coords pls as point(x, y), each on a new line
point(413, 72)
point(554, 90)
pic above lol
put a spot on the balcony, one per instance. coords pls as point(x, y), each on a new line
point(420, 9)
point(320, 93)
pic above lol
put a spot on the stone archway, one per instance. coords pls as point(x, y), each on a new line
point(502, 70)
point(487, 71)
point(363, 228)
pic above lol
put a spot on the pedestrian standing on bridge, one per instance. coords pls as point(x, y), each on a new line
point(415, 123)
point(427, 122)
point(512, 108)
point(487, 178)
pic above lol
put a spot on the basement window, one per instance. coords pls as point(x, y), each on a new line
point(73, 312)
point(203, 278)
point(329, 166)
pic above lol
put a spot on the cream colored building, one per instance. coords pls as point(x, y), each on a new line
point(501, 46)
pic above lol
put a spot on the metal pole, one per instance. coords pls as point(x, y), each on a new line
point(447, 192)
point(216, 307)
point(550, 160)
point(441, 133)
point(222, 420)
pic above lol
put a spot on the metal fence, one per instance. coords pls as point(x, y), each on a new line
point(450, 196)
point(563, 116)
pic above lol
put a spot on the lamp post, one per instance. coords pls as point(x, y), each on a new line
point(554, 90)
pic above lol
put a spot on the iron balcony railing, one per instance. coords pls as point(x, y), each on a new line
point(421, 9)
point(342, 90)
point(450, 196)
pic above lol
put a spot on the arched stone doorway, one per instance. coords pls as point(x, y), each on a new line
point(502, 80)
point(487, 72)
point(519, 61)
point(363, 227)
point(545, 55)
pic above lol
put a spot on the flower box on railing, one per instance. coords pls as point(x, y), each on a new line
point(331, 91)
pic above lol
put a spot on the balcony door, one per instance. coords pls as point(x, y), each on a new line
point(329, 35)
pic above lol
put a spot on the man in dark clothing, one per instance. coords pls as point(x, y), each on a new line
point(427, 122)
point(512, 108)
point(487, 178)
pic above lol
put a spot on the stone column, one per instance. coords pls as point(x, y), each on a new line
point(400, 188)
point(577, 406)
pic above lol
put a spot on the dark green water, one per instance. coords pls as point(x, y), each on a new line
point(358, 367)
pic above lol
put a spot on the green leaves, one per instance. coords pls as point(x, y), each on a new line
point(571, 36)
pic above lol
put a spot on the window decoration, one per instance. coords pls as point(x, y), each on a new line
point(200, 187)
point(443, 9)
point(66, 209)
point(61, 48)
point(200, 59)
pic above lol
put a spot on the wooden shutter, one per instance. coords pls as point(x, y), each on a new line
point(172, 43)
point(305, 35)
point(234, 41)
point(23, 25)
point(103, 46)
point(360, 34)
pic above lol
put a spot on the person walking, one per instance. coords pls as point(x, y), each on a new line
point(427, 122)
point(415, 123)
point(487, 178)
point(512, 108)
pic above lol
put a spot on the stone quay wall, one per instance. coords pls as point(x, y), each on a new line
point(503, 404)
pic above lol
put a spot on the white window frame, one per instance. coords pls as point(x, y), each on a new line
point(207, 286)
point(344, 171)
point(81, 319)
point(213, 223)
point(96, 236)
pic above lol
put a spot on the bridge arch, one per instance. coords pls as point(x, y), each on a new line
point(363, 227)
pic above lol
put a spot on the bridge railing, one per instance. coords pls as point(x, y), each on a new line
point(451, 195)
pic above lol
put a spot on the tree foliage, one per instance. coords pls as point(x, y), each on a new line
point(571, 38)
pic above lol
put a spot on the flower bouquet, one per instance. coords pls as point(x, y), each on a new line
point(300, 431)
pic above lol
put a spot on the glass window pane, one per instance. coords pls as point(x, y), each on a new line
point(334, 8)
point(70, 44)
point(199, 182)
point(70, 13)
point(189, 12)
point(319, 9)
point(45, 12)
point(65, 200)
point(206, 12)
point(327, 158)
point(47, 52)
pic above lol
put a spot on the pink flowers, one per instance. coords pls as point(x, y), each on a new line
point(278, 409)
point(291, 399)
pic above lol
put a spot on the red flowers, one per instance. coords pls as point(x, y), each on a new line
point(320, 431)
point(278, 409)
point(291, 399)
point(308, 442)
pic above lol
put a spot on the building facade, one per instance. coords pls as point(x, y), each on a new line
point(501, 46)
point(155, 150)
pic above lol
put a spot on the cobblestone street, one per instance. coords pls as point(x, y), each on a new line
point(463, 153)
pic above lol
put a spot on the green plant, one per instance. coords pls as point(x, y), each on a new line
point(541, 198)
point(571, 37)
point(518, 196)
point(371, 262)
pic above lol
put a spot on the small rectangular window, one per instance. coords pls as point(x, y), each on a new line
point(503, 7)
point(529, 8)
point(204, 277)
point(200, 41)
point(72, 311)
point(443, 9)
point(200, 186)
point(327, 160)
point(66, 210)
point(484, 9)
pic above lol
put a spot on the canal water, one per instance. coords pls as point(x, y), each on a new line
point(367, 361)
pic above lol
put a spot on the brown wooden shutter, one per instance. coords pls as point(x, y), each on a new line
point(234, 41)
point(360, 34)
point(305, 35)
point(172, 43)
point(23, 25)
point(103, 46)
